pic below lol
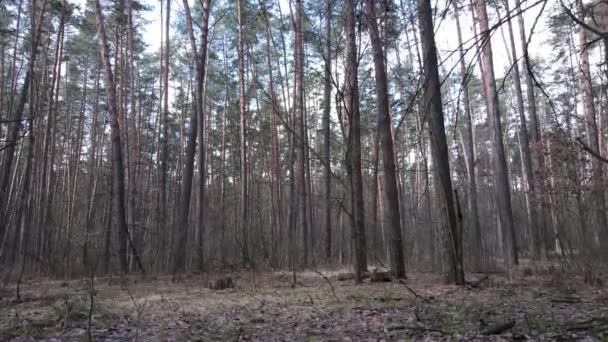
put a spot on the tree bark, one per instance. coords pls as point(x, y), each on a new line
point(351, 100)
point(452, 234)
point(501, 180)
point(532, 206)
point(275, 171)
point(244, 214)
point(598, 207)
point(118, 171)
point(198, 111)
point(391, 197)
point(14, 126)
point(164, 143)
point(469, 151)
point(327, 129)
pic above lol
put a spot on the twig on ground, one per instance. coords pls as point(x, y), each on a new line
point(413, 301)
point(410, 290)
point(588, 324)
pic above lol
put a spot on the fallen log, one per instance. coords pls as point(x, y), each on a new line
point(567, 299)
point(498, 328)
point(475, 284)
point(351, 276)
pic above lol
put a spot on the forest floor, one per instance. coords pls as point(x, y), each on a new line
point(548, 306)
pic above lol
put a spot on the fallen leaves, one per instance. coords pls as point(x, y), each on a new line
point(386, 311)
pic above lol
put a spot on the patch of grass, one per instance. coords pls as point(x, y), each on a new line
point(541, 324)
point(601, 330)
point(453, 321)
point(358, 299)
point(27, 328)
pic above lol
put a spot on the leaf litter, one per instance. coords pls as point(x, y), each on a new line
point(318, 308)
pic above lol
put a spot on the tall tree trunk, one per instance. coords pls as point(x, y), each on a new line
point(353, 167)
point(452, 233)
point(391, 197)
point(532, 207)
point(300, 126)
point(223, 245)
point(501, 179)
point(14, 126)
point(469, 151)
point(202, 164)
point(275, 190)
point(3, 44)
point(164, 143)
point(204, 134)
point(598, 207)
point(535, 130)
point(75, 168)
point(327, 128)
point(197, 112)
point(132, 117)
point(25, 198)
point(118, 171)
point(243, 136)
point(48, 159)
point(93, 171)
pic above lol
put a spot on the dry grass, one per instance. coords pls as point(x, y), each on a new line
point(157, 308)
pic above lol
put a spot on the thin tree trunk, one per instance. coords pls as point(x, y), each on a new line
point(25, 199)
point(501, 181)
point(275, 191)
point(452, 234)
point(223, 244)
point(164, 143)
point(186, 192)
point(353, 149)
point(13, 69)
point(299, 125)
point(15, 124)
point(391, 197)
point(532, 208)
point(327, 128)
point(535, 129)
point(202, 164)
point(469, 151)
point(76, 165)
point(118, 172)
point(243, 136)
point(598, 208)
